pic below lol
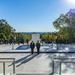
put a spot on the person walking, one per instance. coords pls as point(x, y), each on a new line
point(38, 47)
point(32, 46)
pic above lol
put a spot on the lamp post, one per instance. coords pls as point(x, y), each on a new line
point(14, 39)
point(57, 41)
point(52, 39)
point(12, 46)
point(73, 33)
point(14, 36)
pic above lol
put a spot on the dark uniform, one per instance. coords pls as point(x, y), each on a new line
point(38, 46)
point(27, 41)
point(32, 46)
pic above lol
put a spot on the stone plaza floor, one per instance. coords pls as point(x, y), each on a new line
point(27, 63)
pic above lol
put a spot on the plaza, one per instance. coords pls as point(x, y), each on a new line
point(36, 64)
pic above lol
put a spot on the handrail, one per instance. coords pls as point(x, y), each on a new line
point(54, 59)
point(7, 60)
point(63, 58)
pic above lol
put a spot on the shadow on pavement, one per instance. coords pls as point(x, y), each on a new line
point(25, 59)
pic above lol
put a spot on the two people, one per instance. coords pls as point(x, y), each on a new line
point(32, 46)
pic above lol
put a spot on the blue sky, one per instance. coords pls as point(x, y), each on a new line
point(33, 15)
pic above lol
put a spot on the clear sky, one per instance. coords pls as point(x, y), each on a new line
point(33, 15)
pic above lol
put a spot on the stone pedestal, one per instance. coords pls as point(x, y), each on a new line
point(35, 37)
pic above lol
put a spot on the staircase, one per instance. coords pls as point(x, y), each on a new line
point(32, 74)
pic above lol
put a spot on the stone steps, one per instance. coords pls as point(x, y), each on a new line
point(32, 74)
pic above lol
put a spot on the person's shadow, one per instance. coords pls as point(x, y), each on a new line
point(25, 59)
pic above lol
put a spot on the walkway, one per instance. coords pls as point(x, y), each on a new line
point(32, 64)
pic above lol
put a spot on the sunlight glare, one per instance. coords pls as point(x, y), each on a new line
point(71, 2)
